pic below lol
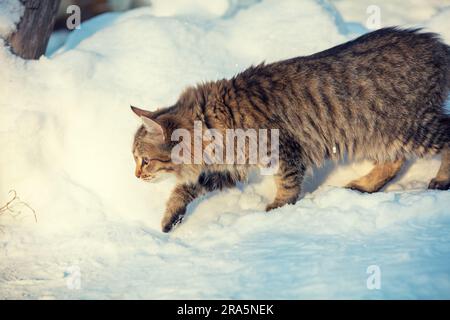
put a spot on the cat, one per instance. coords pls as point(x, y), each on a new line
point(379, 97)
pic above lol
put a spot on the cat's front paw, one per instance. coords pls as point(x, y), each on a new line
point(172, 219)
point(274, 205)
point(168, 225)
point(277, 203)
point(439, 184)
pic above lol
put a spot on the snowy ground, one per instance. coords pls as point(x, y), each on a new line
point(65, 139)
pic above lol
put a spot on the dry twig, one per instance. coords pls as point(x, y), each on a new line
point(13, 206)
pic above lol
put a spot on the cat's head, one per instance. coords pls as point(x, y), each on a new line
point(151, 150)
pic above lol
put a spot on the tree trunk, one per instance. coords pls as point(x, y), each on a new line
point(34, 30)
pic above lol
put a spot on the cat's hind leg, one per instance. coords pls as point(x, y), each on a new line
point(442, 179)
point(381, 174)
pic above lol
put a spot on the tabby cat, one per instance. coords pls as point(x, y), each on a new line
point(379, 97)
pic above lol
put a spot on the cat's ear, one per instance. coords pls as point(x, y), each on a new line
point(141, 112)
point(153, 127)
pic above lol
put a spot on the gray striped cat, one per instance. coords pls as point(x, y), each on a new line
point(380, 97)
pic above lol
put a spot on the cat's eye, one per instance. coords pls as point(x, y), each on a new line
point(145, 161)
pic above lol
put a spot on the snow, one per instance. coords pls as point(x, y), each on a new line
point(394, 12)
point(163, 8)
point(65, 137)
point(10, 13)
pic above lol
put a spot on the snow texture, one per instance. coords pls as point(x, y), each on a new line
point(10, 13)
point(65, 140)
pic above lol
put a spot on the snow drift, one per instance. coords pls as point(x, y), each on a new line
point(65, 138)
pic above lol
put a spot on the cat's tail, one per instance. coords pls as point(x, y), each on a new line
point(446, 128)
point(448, 68)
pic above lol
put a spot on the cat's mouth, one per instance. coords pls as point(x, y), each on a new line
point(157, 178)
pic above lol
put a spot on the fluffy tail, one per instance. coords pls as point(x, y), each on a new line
point(446, 128)
point(448, 68)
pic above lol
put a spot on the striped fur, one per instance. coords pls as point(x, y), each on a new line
point(379, 97)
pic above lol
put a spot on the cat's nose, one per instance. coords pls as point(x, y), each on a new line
point(137, 173)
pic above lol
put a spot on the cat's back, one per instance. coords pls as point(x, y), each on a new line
point(405, 57)
point(390, 43)
point(378, 90)
point(392, 66)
